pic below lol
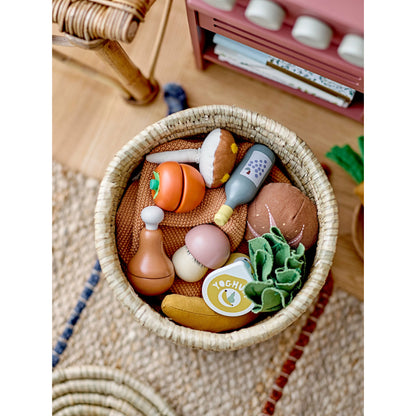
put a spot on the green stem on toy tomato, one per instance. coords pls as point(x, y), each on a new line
point(155, 184)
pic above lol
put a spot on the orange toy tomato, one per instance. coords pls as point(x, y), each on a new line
point(177, 187)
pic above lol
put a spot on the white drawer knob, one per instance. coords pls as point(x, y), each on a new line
point(312, 32)
point(265, 13)
point(226, 5)
point(351, 49)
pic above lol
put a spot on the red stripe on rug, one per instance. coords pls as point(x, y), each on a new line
point(290, 364)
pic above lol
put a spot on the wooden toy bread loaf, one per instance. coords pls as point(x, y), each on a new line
point(286, 207)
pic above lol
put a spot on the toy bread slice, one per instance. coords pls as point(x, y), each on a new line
point(194, 313)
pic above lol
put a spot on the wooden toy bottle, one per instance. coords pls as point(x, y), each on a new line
point(150, 271)
point(246, 180)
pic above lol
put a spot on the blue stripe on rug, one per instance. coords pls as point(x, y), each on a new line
point(86, 293)
point(175, 99)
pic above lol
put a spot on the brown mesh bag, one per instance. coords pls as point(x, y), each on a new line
point(175, 225)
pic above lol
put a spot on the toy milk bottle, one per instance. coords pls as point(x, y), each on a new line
point(246, 180)
point(150, 271)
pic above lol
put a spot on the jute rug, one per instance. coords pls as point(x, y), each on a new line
point(318, 360)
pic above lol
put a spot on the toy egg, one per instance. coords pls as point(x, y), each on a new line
point(206, 247)
point(286, 207)
point(177, 187)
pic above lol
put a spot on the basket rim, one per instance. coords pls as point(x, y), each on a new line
point(255, 127)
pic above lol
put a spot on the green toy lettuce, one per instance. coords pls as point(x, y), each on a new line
point(279, 271)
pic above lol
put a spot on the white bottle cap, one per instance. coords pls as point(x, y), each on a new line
point(351, 49)
point(152, 216)
point(312, 32)
point(226, 5)
point(265, 13)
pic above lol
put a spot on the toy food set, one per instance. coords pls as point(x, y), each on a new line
point(213, 233)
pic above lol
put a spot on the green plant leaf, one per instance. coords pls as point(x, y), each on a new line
point(349, 160)
point(361, 146)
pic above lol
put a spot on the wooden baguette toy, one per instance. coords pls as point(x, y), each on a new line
point(193, 312)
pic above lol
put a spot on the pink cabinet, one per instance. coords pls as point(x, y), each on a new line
point(343, 16)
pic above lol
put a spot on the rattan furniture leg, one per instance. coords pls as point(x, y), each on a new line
point(91, 72)
point(141, 89)
point(82, 30)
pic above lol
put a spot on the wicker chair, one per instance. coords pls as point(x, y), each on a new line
point(100, 26)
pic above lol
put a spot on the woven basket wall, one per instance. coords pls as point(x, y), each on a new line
point(303, 169)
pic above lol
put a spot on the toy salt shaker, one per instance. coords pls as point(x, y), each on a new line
point(150, 271)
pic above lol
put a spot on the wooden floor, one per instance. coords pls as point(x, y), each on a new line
point(91, 122)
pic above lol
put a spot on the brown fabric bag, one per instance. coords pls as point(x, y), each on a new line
point(175, 225)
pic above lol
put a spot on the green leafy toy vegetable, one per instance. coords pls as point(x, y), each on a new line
point(351, 161)
point(279, 271)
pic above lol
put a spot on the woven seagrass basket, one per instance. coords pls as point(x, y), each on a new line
point(303, 169)
point(97, 390)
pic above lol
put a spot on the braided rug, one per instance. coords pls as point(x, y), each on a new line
point(315, 367)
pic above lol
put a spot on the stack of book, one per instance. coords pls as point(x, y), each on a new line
point(260, 63)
